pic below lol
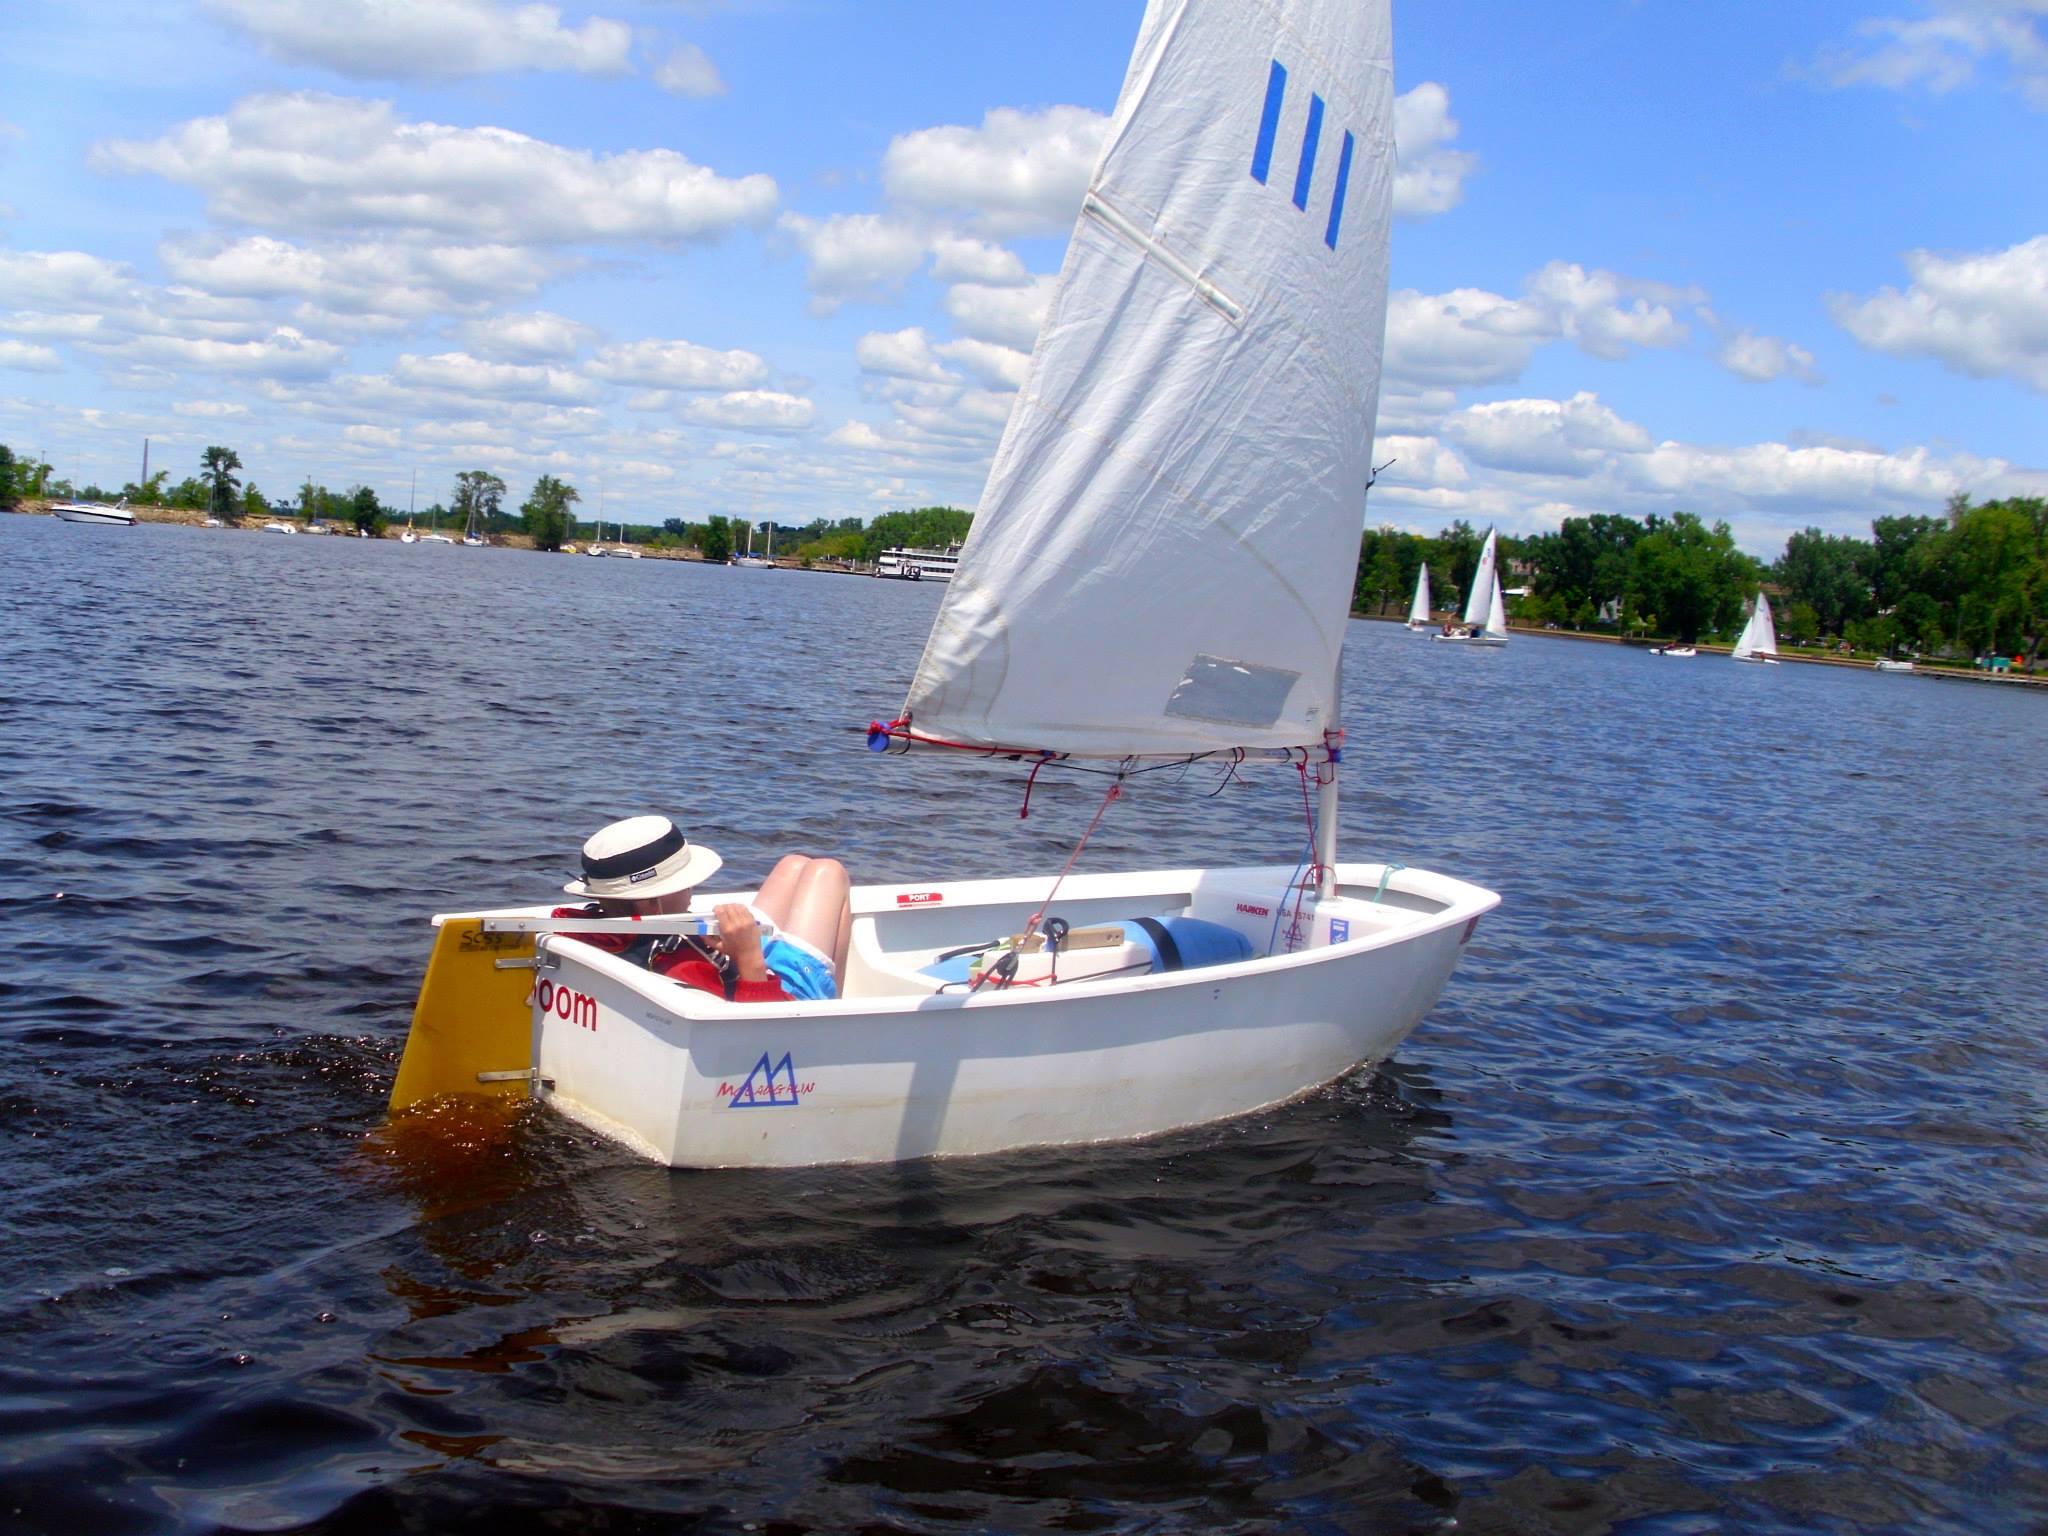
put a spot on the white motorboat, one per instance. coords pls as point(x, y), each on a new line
point(1178, 428)
point(1759, 638)
point(116, 516)
point(1418, 610)
point(1674, 650)
point(1486, 621)
point(280, 527)
point(1890, 664)
point(435, 538)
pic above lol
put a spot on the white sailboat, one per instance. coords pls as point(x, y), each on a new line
point(753, 562)
point(1418, 610)
point(1759, 638)
point(1160, 573)
point(1485, 620)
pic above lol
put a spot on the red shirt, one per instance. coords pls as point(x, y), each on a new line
point(679, 965)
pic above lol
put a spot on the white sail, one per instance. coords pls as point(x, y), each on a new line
point(1759, 636)
point(1496, 615)
point(1484, 579)
point(1163, 558)
point(1418, 611)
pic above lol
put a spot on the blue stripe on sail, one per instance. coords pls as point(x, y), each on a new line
point(1303, 176)
point(1269, 121)
point(1337, 202)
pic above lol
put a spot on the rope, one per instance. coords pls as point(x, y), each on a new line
point(1115, 790)
point(1386, 874)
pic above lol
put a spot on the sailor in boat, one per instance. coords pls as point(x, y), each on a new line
point(644, 867)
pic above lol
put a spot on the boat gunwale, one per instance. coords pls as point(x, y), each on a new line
point(1463, 902)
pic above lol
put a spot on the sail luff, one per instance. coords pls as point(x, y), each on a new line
point(1496, 614)
point(1418, 611)
point(1162, 560)
point(1483, 579)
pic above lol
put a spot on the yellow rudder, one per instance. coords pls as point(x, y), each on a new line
point(471, 1017)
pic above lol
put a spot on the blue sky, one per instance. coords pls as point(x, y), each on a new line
point(1785, 266)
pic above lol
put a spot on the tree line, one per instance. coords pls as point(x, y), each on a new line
point(1969, 581)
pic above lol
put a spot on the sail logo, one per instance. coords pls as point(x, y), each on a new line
point(768, 1086)
point(1311, 140)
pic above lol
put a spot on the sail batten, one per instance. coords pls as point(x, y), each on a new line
point(1163, 557)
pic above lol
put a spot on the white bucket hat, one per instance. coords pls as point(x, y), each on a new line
point(642, 856)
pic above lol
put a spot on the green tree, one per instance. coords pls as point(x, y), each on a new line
point(917, 528)
point(364, 510)
point(1831, 572)
point(312, 497)
point(9, 496)
point(479, 495)
point(147, 493)
point(717, 540)
point(254, 503)
point(546, 512)
point(1800, 624)
point(219, 466)
point(1690, 575)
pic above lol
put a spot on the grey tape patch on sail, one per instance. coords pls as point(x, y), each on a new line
point(1232, 692)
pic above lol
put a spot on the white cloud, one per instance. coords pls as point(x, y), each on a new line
point(376, 283)
point(1018, 173)
point(534, 337)
point(460, 374)
point(1470, 337)
point(677, 365)
point(1606, 314)
point(761, 410)
point(283, 354)
point(855, 256)
point(1985, 315)
point(904, 354)
point(1942, 49)
point(959, 259)
point(688, 71)
point(422, 39)
point(319, 162)
point(209, 409)
point(1764, 358)
point(997, 366)
point(1010, 316)
point(857, 435)
point(371, 436)
point(27, 357)
point(1422, 461)
point(1544, 436)
point(1430, 176)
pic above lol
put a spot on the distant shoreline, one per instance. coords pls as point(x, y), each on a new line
point(1949, 671)
point(187, 517)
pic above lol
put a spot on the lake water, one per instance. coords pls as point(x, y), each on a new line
point(1710, 1197)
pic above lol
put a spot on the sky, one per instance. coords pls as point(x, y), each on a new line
point(1781, 266)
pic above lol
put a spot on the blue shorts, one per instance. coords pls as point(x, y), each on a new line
point(803, 972)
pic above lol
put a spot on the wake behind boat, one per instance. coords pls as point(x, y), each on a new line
point(116, 516)
point(1177, 426)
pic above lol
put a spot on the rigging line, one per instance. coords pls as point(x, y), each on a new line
point(1115, 790)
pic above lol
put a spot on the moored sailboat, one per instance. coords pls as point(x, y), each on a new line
point(1159, 575)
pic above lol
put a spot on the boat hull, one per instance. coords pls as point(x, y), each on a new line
point(687, 1079)
point(113, 517)
point(1480, 640)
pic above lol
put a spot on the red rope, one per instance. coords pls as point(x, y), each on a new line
point(1114, 790)
point(1024, 811)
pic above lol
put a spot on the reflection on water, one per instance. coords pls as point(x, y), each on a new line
point(1706, 1199)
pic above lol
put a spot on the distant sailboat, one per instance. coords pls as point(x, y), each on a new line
point(752, 561)
point(1486, 620)
point(412, 496)
point(1418, 611)
point(1759, 638)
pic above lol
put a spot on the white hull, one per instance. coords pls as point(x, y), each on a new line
point(1759, 658)
point(898, 1070)
point(754, 563)
point(1884, 664)
point(1680, 651)
point(81, 512)
point(1482, 639)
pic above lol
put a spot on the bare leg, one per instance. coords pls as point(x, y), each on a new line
point(808, 899)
